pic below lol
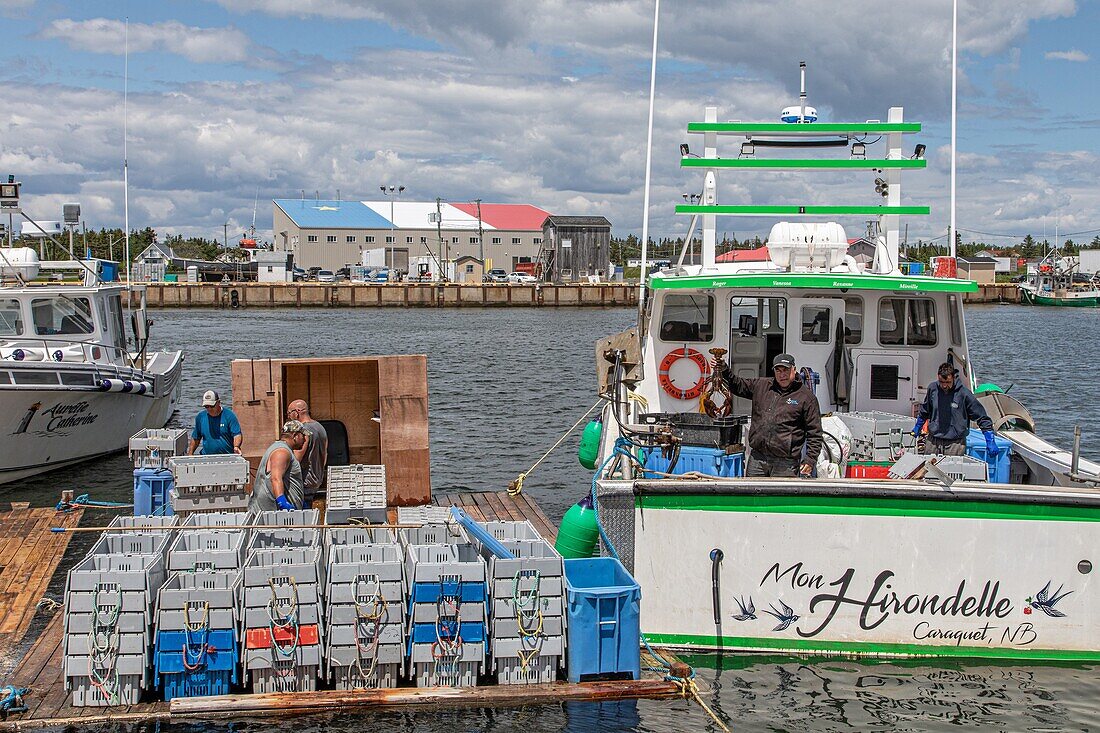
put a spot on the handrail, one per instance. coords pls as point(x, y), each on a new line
point(19, 341)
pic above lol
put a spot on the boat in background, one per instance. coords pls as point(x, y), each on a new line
point(1057, 283)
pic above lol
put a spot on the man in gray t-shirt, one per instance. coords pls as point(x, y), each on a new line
point(313, 456)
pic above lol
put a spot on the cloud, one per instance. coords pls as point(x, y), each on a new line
point(105, 35)
point(1071, 55)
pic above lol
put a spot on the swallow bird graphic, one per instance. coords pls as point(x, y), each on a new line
point(747, 611)
point(1045, 602)
point(785, 615)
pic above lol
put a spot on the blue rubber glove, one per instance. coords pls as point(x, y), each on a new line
point(918, 426)
point(283, 503)
point(991, 448)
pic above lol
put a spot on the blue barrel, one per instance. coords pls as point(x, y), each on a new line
point(604, 628)
point(151, 487)
point(998, 469)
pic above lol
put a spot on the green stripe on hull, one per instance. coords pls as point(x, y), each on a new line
point(797, 210)
point(797, 163)
point(866, 506)
point(1030, 298)
point(818, 646)
point(811, 128)
point(816, 280)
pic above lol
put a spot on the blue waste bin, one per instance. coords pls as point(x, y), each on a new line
point(151, 487)
point(604, 628)
point(998, 469)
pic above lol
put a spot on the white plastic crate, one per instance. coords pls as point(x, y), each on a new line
point(543, 669)
point(219, 502)
point(209, 550)
point(220, 519)
point(143, 525)
point(357, 485)
point(381, 677)
point(963, 468)
point(152, 447)
point(878, 436)
point(427, 514)
point(446, 674)
point(199, 471)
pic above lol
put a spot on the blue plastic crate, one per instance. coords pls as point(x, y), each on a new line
point(430, 592)
point(471, 632)
point(604, 631)
point(202, 683)
point(219, 655)
point(151, 487)
point(708, 461)
point(999, 469)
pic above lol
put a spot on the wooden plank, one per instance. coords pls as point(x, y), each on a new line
point(482, 503)
point(501, 512)
point(433, 697)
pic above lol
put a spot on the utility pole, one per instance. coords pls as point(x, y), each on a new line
point(480, 236)
point(439, 228)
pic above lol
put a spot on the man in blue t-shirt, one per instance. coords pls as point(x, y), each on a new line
point(216, 428)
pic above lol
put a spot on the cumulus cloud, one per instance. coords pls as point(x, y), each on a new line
point(1071, 55)
point(105, 35)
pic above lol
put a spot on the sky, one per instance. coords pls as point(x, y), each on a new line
point(536, 101)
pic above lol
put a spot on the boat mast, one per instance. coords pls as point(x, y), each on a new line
point(648, 165)
point(954, 102)
point(125, 157)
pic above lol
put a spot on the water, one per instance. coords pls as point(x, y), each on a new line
point(504, 384)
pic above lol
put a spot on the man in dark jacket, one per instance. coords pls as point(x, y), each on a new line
point(785, 418)
point(948, 409)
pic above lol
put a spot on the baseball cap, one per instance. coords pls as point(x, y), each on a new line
point(293, 426)
point(210, 398)
point(783, 360)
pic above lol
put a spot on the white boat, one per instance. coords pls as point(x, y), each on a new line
point(834, 565)
point(70, 387)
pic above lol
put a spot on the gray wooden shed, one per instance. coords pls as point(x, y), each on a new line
point(576, 247)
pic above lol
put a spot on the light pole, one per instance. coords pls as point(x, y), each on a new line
point(393, 192)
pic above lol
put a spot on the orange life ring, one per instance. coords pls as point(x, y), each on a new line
point(692, 393)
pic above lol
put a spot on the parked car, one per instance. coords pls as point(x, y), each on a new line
point(299, 274)
point(326, 276)
point(312, 273)
point(344, 273)
point(496, 275)
point(522, 278)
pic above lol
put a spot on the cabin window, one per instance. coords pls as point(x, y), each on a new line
point(815, 324)
point(687, 318)
point(11, 317)
point(953, 319)
point(114, 305)
point(853, 320)
point(61, 316)
point(907, 322)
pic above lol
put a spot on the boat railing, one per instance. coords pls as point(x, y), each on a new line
point(30, 349)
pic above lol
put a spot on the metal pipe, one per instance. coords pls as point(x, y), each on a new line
point(716, 556)
point(1076, 461)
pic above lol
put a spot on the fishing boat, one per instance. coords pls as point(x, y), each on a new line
point(869, 566)
point(1055, 283)
point(71, 388)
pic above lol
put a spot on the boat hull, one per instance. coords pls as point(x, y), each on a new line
point(877, 573)
point(1030, 297)
point(47, 429)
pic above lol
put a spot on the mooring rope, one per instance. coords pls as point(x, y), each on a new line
point(516, 486)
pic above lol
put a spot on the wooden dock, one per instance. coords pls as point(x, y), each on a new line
point(50, 705)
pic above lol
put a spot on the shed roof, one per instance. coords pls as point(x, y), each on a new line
point(978, 260)
point(506, 216)
point(760, 254)
point(577, 221)
point(326, 214)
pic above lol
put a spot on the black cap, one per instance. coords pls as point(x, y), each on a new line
point(783, 360)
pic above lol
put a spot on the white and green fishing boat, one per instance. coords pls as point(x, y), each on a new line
point(873, 566)
point(1055, 283)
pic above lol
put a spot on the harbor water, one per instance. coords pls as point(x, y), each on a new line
point(505, 383)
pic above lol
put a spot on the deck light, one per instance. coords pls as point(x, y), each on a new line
point(918, 152)
point(881, 187)
point(685, 151)
point(748, 150)
point(859, 151)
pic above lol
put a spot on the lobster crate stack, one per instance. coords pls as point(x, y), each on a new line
point(526, 619)
point(448, 601)
point(878, 436)
point(283, 586)
point(365, 609)
point(355, 493)
point(205, 484)
point(110, 598)
point(198, 618)
point(150, 450)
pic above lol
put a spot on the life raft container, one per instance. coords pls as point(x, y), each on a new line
point(696, 390)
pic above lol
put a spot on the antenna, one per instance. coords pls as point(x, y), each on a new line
point(648, 165)
point(954, 102)
point(256, 205)
point(802, 93)
point(125, 155)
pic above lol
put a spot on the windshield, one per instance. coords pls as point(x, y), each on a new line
point(11, 318)
point(61, 315)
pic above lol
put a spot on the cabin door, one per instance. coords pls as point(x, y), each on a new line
point(816, 324)
point(885, 381)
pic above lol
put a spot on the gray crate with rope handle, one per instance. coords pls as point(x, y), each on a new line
point(152, 447)
point(273, 671)
point(285, 538)
point(127, 543)
point(206, 503)
point(436, 533)
point(204, 472)
point(215, 595)
point(211, 550)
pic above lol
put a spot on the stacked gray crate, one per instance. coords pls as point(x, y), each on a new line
point(152, 447)
point(526, 619)
point(211, 549)
point(283, 588)
point(355, 493)
point(365, 644)
point(448, 599)
point(959, 468)
point(878, 436)
point(216, 520)
point(425, 514)
point(110, 599)
point(209, 484)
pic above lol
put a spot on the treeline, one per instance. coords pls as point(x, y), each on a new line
point(630, 247)
point(109, 244)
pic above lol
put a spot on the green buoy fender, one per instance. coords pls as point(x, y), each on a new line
point(578, 534)
point(589, 449)
point(988, 387)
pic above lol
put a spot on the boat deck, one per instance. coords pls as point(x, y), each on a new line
point(48, 704)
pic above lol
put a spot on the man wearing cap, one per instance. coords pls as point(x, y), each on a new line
point(216, 428)
point(278, 483)
point(948, 409)
point(786, 419)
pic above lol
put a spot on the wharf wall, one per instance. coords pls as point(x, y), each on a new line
point(994, 293)
point(395, 295)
